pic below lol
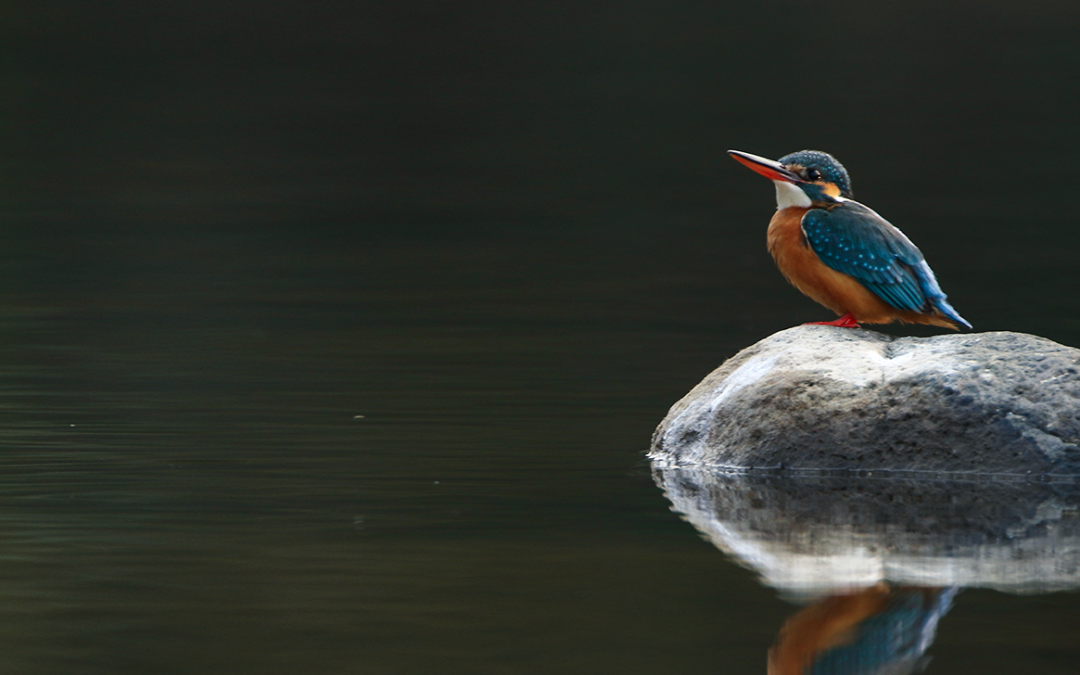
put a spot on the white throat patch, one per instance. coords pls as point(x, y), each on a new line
point(788, 195)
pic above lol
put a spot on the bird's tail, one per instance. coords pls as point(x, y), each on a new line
point(935, 296)
point(941, 305)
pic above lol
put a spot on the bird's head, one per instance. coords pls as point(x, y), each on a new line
point(802, 178)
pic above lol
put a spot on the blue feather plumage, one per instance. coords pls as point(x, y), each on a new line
point(854, 239)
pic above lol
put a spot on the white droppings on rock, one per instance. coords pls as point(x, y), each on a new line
point(690, 427)
point(746, 375)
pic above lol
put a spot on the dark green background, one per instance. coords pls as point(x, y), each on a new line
point(506, 234)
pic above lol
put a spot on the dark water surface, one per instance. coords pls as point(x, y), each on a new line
point(334, 333)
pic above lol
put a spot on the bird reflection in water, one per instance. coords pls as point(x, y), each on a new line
point(873, 631)
point(820, 538)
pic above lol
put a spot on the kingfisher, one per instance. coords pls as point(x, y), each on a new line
point(841, 253)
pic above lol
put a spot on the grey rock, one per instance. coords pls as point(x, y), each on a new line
point(837, 399)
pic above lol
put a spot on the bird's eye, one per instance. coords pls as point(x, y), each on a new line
point(813, 174)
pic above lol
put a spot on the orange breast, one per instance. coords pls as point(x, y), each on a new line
point(840, 292)
point(822, 626)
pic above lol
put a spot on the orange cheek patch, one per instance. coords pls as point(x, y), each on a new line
point(828, 188)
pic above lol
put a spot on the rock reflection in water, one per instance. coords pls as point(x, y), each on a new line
point(879, 559)
point(812, 536)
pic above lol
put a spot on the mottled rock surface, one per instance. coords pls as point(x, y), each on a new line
point(826, 398)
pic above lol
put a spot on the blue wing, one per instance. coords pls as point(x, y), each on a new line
point(853, 239)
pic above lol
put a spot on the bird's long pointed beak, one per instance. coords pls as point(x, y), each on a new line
point(771, 169)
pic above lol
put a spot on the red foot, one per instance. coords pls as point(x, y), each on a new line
point(846, 321)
